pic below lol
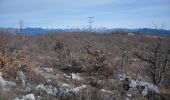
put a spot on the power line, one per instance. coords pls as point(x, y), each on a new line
point(90, 21)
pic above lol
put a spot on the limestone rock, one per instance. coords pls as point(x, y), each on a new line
point(4, 83)
point(22, 77)
point(132, 84)
point(48, 70)
point(75, 76)
point(29, 97)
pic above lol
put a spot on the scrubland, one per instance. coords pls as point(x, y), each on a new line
point(84, 66)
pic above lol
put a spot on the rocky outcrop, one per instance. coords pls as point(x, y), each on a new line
point(4, 83)
point(132, 84)
point(22, 77)
point(149, 86)
point(73, 76)
point(48, 70)
point(49, 89)
point(142, 86)
point(27, 97)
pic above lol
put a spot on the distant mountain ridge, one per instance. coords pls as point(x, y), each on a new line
point(147, 31)
point(32, 31)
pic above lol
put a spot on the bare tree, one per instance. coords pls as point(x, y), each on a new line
point(21, 24)
point(20, 39)
point(157, 58)
point(124, 58)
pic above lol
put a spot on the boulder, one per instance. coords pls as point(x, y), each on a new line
point(145, 91)
point(40, 87)
point(22, 77)
point(75, 76)
point(77, 89)
point(144, 87)
point(149, 86)
point(132, 84)
point(107, 91)
point(65, 85)
point(66, 76)
point(4, 83)
point(29, 97)
point(48, 89)
point(48, 70)
point(123, 77)
point(129, 95)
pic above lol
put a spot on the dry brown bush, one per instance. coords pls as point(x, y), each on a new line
point(10, 65)
point(96, 61)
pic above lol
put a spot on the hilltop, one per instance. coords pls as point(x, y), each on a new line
point(75, 66)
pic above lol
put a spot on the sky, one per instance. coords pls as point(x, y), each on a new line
point(75, 13)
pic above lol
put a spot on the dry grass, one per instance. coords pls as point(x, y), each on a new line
point(3, 95)
point(165, 90)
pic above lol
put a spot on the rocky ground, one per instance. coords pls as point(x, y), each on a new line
point(56, 85)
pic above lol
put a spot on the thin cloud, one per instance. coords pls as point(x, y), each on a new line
point(112, 13)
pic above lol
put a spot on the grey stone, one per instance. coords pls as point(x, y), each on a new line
point(27, 97)
point(22, 77)
point(4, 83)
point(132, 84)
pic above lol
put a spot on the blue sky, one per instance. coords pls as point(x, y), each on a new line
point(75, 13)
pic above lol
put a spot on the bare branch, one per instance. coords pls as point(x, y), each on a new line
point(144, 59)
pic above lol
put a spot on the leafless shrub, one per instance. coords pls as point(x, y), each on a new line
point(157, 58)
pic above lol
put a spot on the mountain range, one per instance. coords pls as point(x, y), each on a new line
point(32, 31)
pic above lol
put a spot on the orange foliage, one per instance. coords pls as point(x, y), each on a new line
point(9, 65)
point(97, 62)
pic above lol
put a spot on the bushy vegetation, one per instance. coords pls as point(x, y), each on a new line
point(93, 55)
